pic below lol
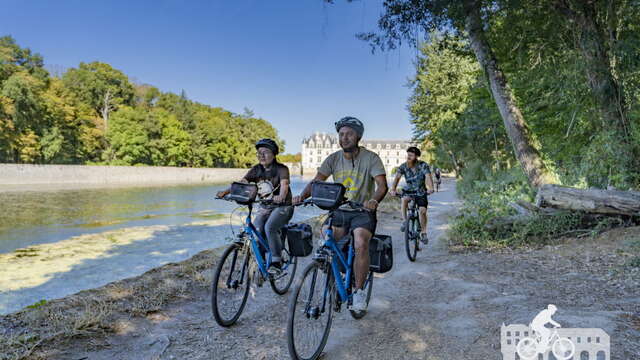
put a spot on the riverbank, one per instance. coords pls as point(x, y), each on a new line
point(445, 305)
point(26, 177)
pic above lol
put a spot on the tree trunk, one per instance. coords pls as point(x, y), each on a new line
point(591, 200)
point(514, 122)
point(106, 107)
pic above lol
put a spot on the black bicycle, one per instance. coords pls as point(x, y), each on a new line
point(411, 225)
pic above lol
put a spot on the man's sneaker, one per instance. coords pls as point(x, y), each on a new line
point(402, 226)
point(359, 301)
point(424, 239)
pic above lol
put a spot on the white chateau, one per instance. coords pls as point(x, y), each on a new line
point(318, 146)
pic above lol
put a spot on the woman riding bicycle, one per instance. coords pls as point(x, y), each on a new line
point(273, 180)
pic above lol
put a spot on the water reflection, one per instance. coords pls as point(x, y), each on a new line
point(29, 218)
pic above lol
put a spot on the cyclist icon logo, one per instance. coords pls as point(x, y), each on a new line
point(536, 341)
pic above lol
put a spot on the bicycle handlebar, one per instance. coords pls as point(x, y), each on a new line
point(258, 201)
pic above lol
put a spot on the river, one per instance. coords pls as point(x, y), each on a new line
point(56, 243)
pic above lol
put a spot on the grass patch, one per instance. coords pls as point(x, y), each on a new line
point(487, 221)
point(47, 324)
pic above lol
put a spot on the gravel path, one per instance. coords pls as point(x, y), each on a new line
point(443, 306)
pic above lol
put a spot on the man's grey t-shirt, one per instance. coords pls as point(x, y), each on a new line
point(357, 175)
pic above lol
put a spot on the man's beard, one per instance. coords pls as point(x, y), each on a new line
point(351, 149)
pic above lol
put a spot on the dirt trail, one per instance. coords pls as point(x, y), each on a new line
point(443, 306)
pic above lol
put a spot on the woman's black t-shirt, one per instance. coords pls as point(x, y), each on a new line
point(276, 173)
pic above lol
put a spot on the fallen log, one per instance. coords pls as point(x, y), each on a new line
point(611, 202)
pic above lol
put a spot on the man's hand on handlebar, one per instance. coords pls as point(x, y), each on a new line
point(278, 199)
point(297, 200)
point(371, 205)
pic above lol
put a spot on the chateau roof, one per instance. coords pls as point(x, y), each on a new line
point(321, 137)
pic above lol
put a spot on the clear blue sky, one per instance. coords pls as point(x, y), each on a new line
point(295, 63)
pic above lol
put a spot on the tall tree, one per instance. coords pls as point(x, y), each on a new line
point(101, 86)
point(404, 20)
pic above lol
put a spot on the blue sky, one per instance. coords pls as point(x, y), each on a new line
point(295, 63)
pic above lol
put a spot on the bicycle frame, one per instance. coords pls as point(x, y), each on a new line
point(258, 241)
point(341, 285)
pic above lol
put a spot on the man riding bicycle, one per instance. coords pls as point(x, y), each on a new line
point(272, 179)
point(542, 319)
point(361, 171)
point(416, 173)
point(438, 175)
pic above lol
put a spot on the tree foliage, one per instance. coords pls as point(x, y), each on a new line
point(95, 114)
point(572, 68)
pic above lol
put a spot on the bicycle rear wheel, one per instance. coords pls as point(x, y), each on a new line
point(310, 312)
point(230, 288)
point(369, 285)
point(411, 237)
point(281, 285)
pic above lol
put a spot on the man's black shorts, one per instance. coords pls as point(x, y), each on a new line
point(421, 200)
point(355, 219)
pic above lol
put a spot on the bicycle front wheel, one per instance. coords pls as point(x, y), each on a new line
point(230, 287)
point(310, 312)
point(411, 237)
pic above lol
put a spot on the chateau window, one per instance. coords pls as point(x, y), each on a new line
point(589, 339)
point(598, 339)
point(319, 159)
point(397, 146)
point(508, 341)
point(388, 146)
point(379, 146)
point(517, 333)
point(508, 333)
point(578, 340)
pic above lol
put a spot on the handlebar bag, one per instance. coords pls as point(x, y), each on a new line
point(326, 195)
point(242, 193)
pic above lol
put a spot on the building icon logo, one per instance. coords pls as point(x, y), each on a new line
point(537, 342)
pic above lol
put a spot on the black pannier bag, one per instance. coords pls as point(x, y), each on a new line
point(299, 239)
point(242, 193)
point(380, 253)
point(326, 195)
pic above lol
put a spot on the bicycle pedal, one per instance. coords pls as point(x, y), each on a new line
point(279, 276)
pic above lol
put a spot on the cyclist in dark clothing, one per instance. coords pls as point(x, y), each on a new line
point(273, 181)
point(436, 172)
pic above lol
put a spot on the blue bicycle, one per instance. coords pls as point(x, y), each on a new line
point(321, 290)
point(235, 270)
